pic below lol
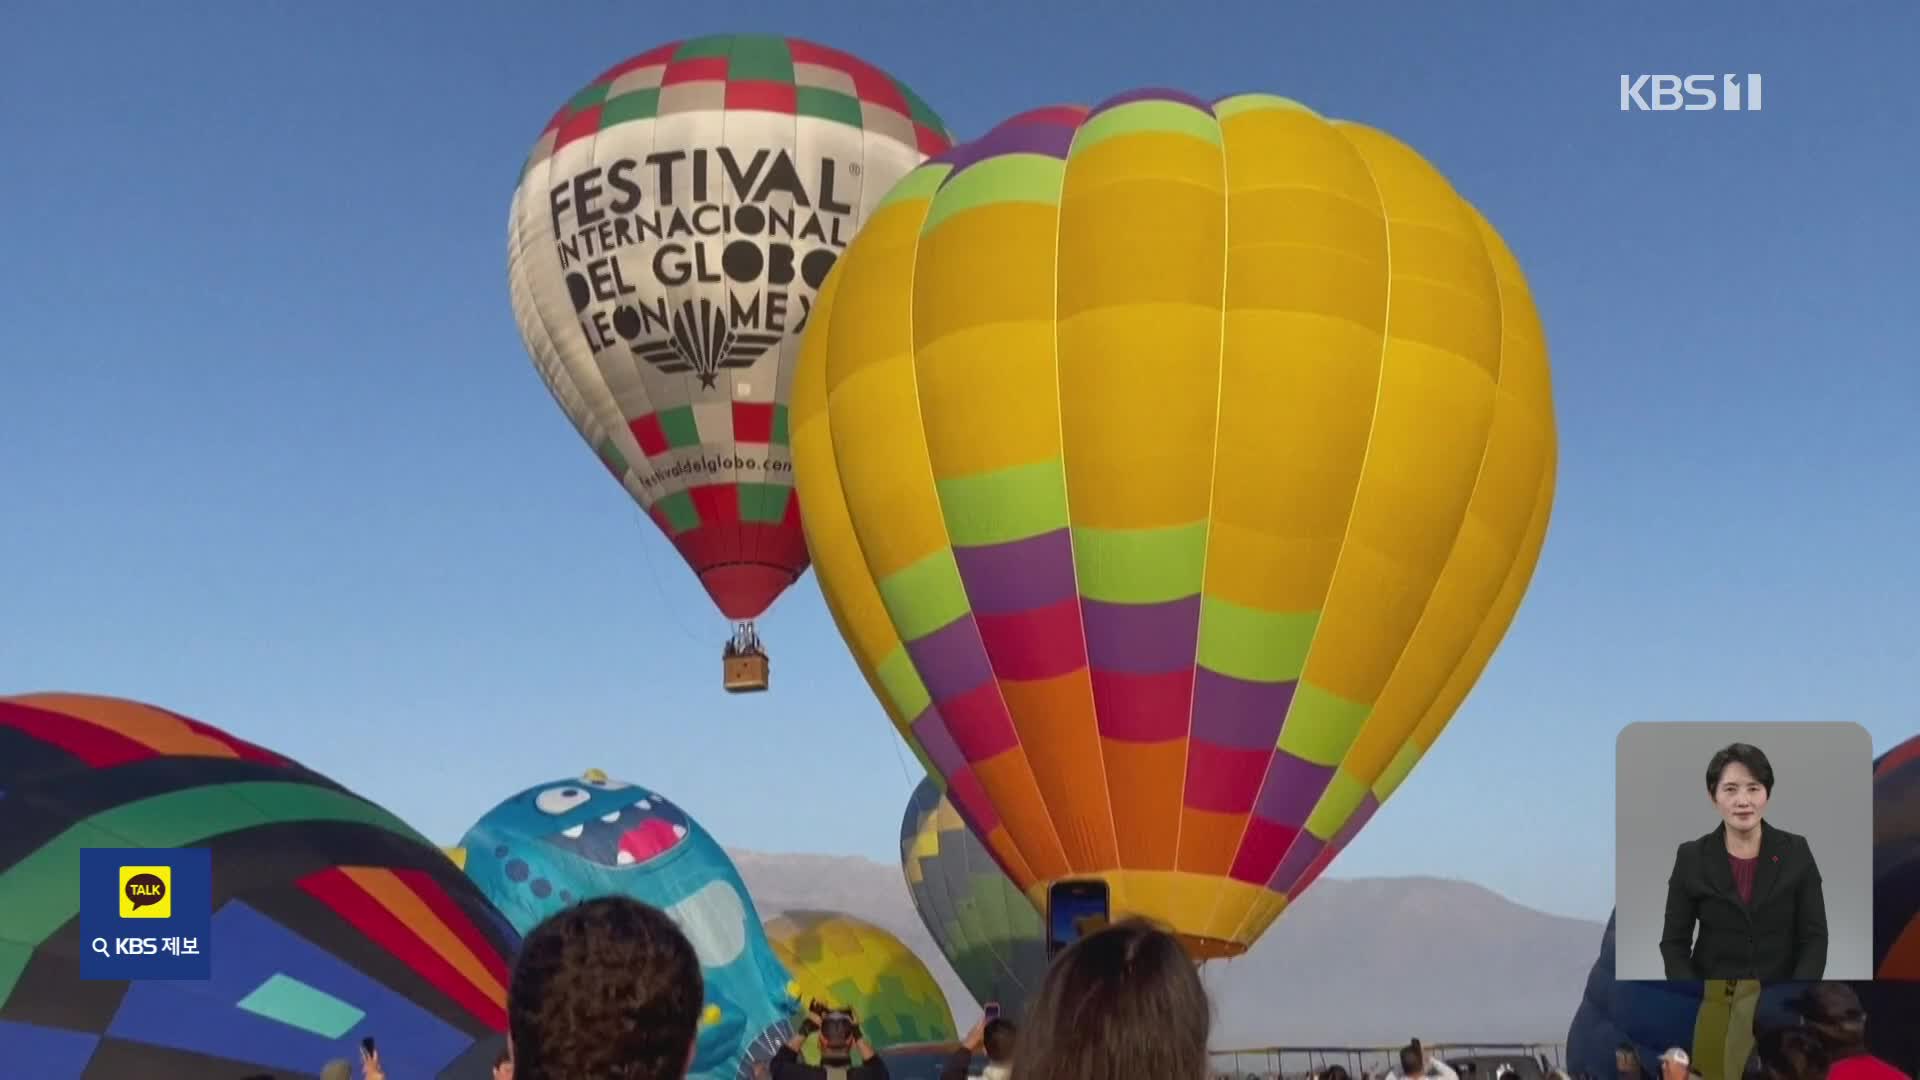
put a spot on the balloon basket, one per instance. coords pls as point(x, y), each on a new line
point(745, 674)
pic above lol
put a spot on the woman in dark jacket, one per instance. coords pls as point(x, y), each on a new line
point(1752, 889)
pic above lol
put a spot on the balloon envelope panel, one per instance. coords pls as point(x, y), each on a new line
point(666, 241)
point(1170, 518)
point(576, 838)
point(845, 961)
point(985, 926)
point(332, 919)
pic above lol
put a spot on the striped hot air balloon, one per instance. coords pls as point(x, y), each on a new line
point(985, 926)
point(332, 920)
point(1172, 469)
point(667, 241)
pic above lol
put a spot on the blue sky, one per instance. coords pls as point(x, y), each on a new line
point(273, 455)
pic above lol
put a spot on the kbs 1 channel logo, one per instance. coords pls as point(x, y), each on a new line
point(1690, 93)
point(146, 913)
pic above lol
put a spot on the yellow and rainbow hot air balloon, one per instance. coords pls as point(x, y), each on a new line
point(1172, 470)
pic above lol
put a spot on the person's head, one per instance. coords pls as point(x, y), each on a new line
point(1626, 1059)
point(1791, 1053)
point(1413, 1062)
point(1831, 1010)
point(1674, 1064)
point(1335, 1072)
point(997, 1039)
point(1740, 780)
point(837, 1036)
point(605, 988)
point(502, 1066)
point(1125, 1000)
point(337, 1069)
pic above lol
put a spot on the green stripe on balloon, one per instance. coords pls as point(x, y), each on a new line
point(760, 58)
point(679, 511)
point(828, 105)
point(1258, 646)
point(41, 892)
point(704, 48)
point(635, 105)
point(765, 503)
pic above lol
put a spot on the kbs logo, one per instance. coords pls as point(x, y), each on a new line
point(146, 892)
point(1691, 93)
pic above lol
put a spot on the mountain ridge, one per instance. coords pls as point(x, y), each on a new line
point(1356, 961)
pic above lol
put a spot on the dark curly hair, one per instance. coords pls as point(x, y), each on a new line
point(609, 988)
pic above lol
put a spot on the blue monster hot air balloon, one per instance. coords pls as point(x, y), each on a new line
point(574, 839)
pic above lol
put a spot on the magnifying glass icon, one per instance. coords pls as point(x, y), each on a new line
point(100, 946)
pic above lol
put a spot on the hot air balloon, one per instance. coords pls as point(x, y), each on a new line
point(332, 920)
point(848, 962)
point(985, 926)
point(1716, 1021)
point(576, 838)
point(1168, 516)
point(666, 242)
point(1896, 863)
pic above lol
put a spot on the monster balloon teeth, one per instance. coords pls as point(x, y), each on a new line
point(629, 834)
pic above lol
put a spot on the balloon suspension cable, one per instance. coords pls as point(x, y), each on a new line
point(745, 641)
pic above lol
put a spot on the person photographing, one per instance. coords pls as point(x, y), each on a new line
point(840, 1039)
point(994, 1036)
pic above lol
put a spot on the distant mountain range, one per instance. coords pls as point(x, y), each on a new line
point(1368, 961)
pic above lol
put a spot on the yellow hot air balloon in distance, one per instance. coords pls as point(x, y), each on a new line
point(1172, 470)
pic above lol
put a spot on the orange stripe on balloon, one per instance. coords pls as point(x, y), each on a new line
point(453, 918)
point(1898, 756)
point(1903, 958)
point(161, 731)
point(407, 906)
point(353, 903)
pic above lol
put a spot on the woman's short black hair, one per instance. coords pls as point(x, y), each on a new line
point(1745, 754)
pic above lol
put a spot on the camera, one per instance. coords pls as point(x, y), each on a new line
point(836, 1025)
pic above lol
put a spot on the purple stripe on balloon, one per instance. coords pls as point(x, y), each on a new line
point(930, 731)
point(1306, 848)
point(1239, 713)
point(1152, 93)
point(1019, 575)
point(951, 660)
point(1291, 788)
point(1361, 814)
point(1142, 639)
point(1052, 140)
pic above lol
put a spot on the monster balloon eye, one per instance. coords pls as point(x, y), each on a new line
point(560, 800)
